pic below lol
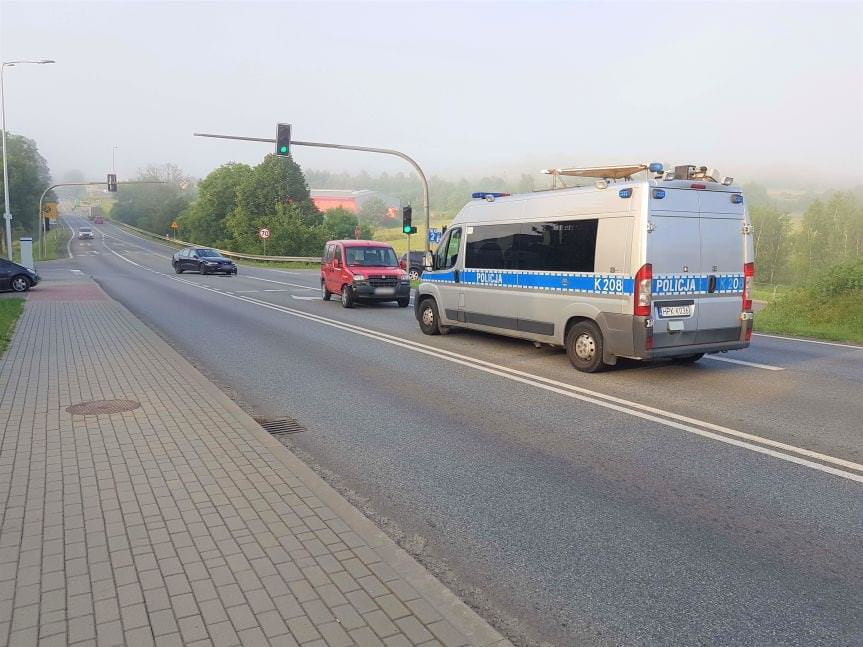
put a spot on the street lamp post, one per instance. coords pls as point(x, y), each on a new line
point(7, 214)
point(114, 160)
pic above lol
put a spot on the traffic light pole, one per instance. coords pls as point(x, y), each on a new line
point(365, 149)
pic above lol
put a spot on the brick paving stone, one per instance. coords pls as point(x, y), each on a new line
point(151, 528)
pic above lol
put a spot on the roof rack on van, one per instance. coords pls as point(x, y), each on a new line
point(690, 172)
point(620, 172)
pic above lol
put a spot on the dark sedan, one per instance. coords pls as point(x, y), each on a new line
point(203, 260)
point(16, 277)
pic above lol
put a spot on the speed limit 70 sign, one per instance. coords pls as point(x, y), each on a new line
point(264, 233)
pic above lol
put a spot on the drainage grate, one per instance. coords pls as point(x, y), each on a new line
point(281, 426)
point(102, 407)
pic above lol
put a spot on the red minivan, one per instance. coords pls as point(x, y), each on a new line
point(363, 270)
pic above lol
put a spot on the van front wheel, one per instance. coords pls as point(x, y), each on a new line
point(584, 347)
point(429, 320)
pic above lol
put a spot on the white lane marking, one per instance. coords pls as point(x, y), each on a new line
point(808, 341)
point(295, 285)
point(766, 367)
point(76, 271)
point(294, 296)
point(660, 416)
point(71, 236)
point(279, 290)
point(245, 291)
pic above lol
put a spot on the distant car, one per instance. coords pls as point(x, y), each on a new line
point(16, 277)
point(99, 220)
point(363, 270)
point(85, 233)
point(203, 260)
point(416, 265)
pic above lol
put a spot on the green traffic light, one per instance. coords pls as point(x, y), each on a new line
point(283, 149)
point(406, 229)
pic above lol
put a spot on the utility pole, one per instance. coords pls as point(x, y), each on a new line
point(365, 149)
point(7, 214)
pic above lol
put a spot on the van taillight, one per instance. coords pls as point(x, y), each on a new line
point(643, 289)
point(748, 274)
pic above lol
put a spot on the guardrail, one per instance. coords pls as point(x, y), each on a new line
point(225, 252)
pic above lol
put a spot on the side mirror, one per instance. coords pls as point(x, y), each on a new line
point(428, 262)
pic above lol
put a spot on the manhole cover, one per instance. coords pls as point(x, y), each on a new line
point(100, 407)
point(280, 426)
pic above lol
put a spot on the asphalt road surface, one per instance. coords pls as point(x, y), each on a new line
point(652, 504)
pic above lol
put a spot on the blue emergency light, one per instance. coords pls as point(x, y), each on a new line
point(736, 198)
point(625, 193)
point(659, 193)
point(655, 167)
point(483, 195)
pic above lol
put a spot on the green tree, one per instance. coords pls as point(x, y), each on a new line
point(204, 221)
point(277, 180)
point(772, 240)
point(341, 223)
point(154, 206)
point(28, 178)
point(373, 212)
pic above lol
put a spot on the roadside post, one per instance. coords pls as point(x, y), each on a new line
point(27, 252)
point(283, 143)
point(264, 233)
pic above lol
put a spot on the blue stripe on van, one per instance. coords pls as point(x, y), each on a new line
point(584, 282)
point(673, 284)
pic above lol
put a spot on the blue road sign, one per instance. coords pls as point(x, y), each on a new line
point(435, 235)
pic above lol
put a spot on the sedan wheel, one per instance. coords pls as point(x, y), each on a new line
point(20, 283)
point(414, 274)
point(177, 268)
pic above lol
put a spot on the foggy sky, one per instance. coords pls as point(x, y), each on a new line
point(770, 91)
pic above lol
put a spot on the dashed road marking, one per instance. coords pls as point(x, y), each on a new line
point(766, 367)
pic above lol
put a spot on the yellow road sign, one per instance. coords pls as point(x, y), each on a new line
point(49, 210)
point(174, 225)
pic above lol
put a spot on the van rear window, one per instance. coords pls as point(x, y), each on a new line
point(559, 246)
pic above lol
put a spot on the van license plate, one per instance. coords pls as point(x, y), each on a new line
point(385, 291)
point(675, 311)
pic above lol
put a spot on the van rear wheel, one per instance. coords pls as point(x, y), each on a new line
point(584, 347)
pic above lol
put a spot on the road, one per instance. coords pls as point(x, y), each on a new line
point(652, 504)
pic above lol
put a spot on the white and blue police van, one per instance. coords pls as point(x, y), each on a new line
point(649, 268)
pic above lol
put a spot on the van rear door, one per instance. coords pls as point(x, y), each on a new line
point(674, 251)
point(722, 258)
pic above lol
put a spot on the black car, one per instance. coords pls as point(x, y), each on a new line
point(416, 267)
point(16, 277)
point(203, 260)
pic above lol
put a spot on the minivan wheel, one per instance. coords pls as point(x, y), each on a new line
point(404, 303)
point(687, 359)
point(347, 297)
point(20, 283)
point(429, 320)
point(325, 294)
point(584, 347)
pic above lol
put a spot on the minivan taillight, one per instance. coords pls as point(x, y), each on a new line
point(643, 291)
point(748, 275)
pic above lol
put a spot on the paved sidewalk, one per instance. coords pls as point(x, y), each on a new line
point(180, 521)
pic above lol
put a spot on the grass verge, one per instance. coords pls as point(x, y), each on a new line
point(10, 310)
point(838, 318)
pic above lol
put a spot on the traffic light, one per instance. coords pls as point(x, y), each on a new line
point(407, 212)
point(283, 140)
point(112, 182)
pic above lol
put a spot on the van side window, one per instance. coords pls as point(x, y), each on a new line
point(338, 254)
point(328, 253)
point(447, 251)
point(494, 247)
point(567, 246)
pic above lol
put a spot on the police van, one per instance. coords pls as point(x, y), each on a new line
point(644, 269)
